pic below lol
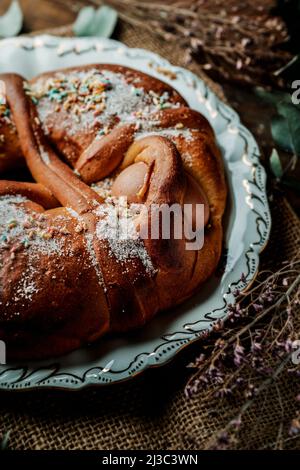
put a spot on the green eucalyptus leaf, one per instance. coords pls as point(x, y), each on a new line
point(292, 115)
point(11, 22)
point(281, 133)
point(84, 21)
point(4, 442)
point(274, 98)
point(105, 21)
point(91, 22)
point(275, 164)
point(285, 126)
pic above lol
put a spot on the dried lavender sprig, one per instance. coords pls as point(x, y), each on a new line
point(211, 444)
point(258, 361)
point(234, 337)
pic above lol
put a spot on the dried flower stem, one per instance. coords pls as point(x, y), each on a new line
point(252, 350)
point(238, 42)
point(264, 385)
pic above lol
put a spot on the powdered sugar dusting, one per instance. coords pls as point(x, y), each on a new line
point(169, 133)
point(94, 99)
point(44, 155)
point(19, 226)
point(116, 225)
point(103, 187)
point(89, 238)
point(26, 287)
point(25, 236)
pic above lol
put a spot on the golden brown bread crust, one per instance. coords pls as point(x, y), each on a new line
point(54, 232)
point(10, 151)
point(59, 123)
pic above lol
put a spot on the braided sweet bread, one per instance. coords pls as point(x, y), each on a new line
point(91, 136)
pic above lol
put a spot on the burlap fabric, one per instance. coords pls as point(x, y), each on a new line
point(151, 411)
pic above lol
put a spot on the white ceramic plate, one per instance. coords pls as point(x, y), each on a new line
point(247, 223)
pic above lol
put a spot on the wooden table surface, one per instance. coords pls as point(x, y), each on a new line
point(44, 14)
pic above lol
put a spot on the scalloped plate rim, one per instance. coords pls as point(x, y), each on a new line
point(63, 380)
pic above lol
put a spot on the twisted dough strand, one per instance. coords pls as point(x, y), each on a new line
point(98, 291)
